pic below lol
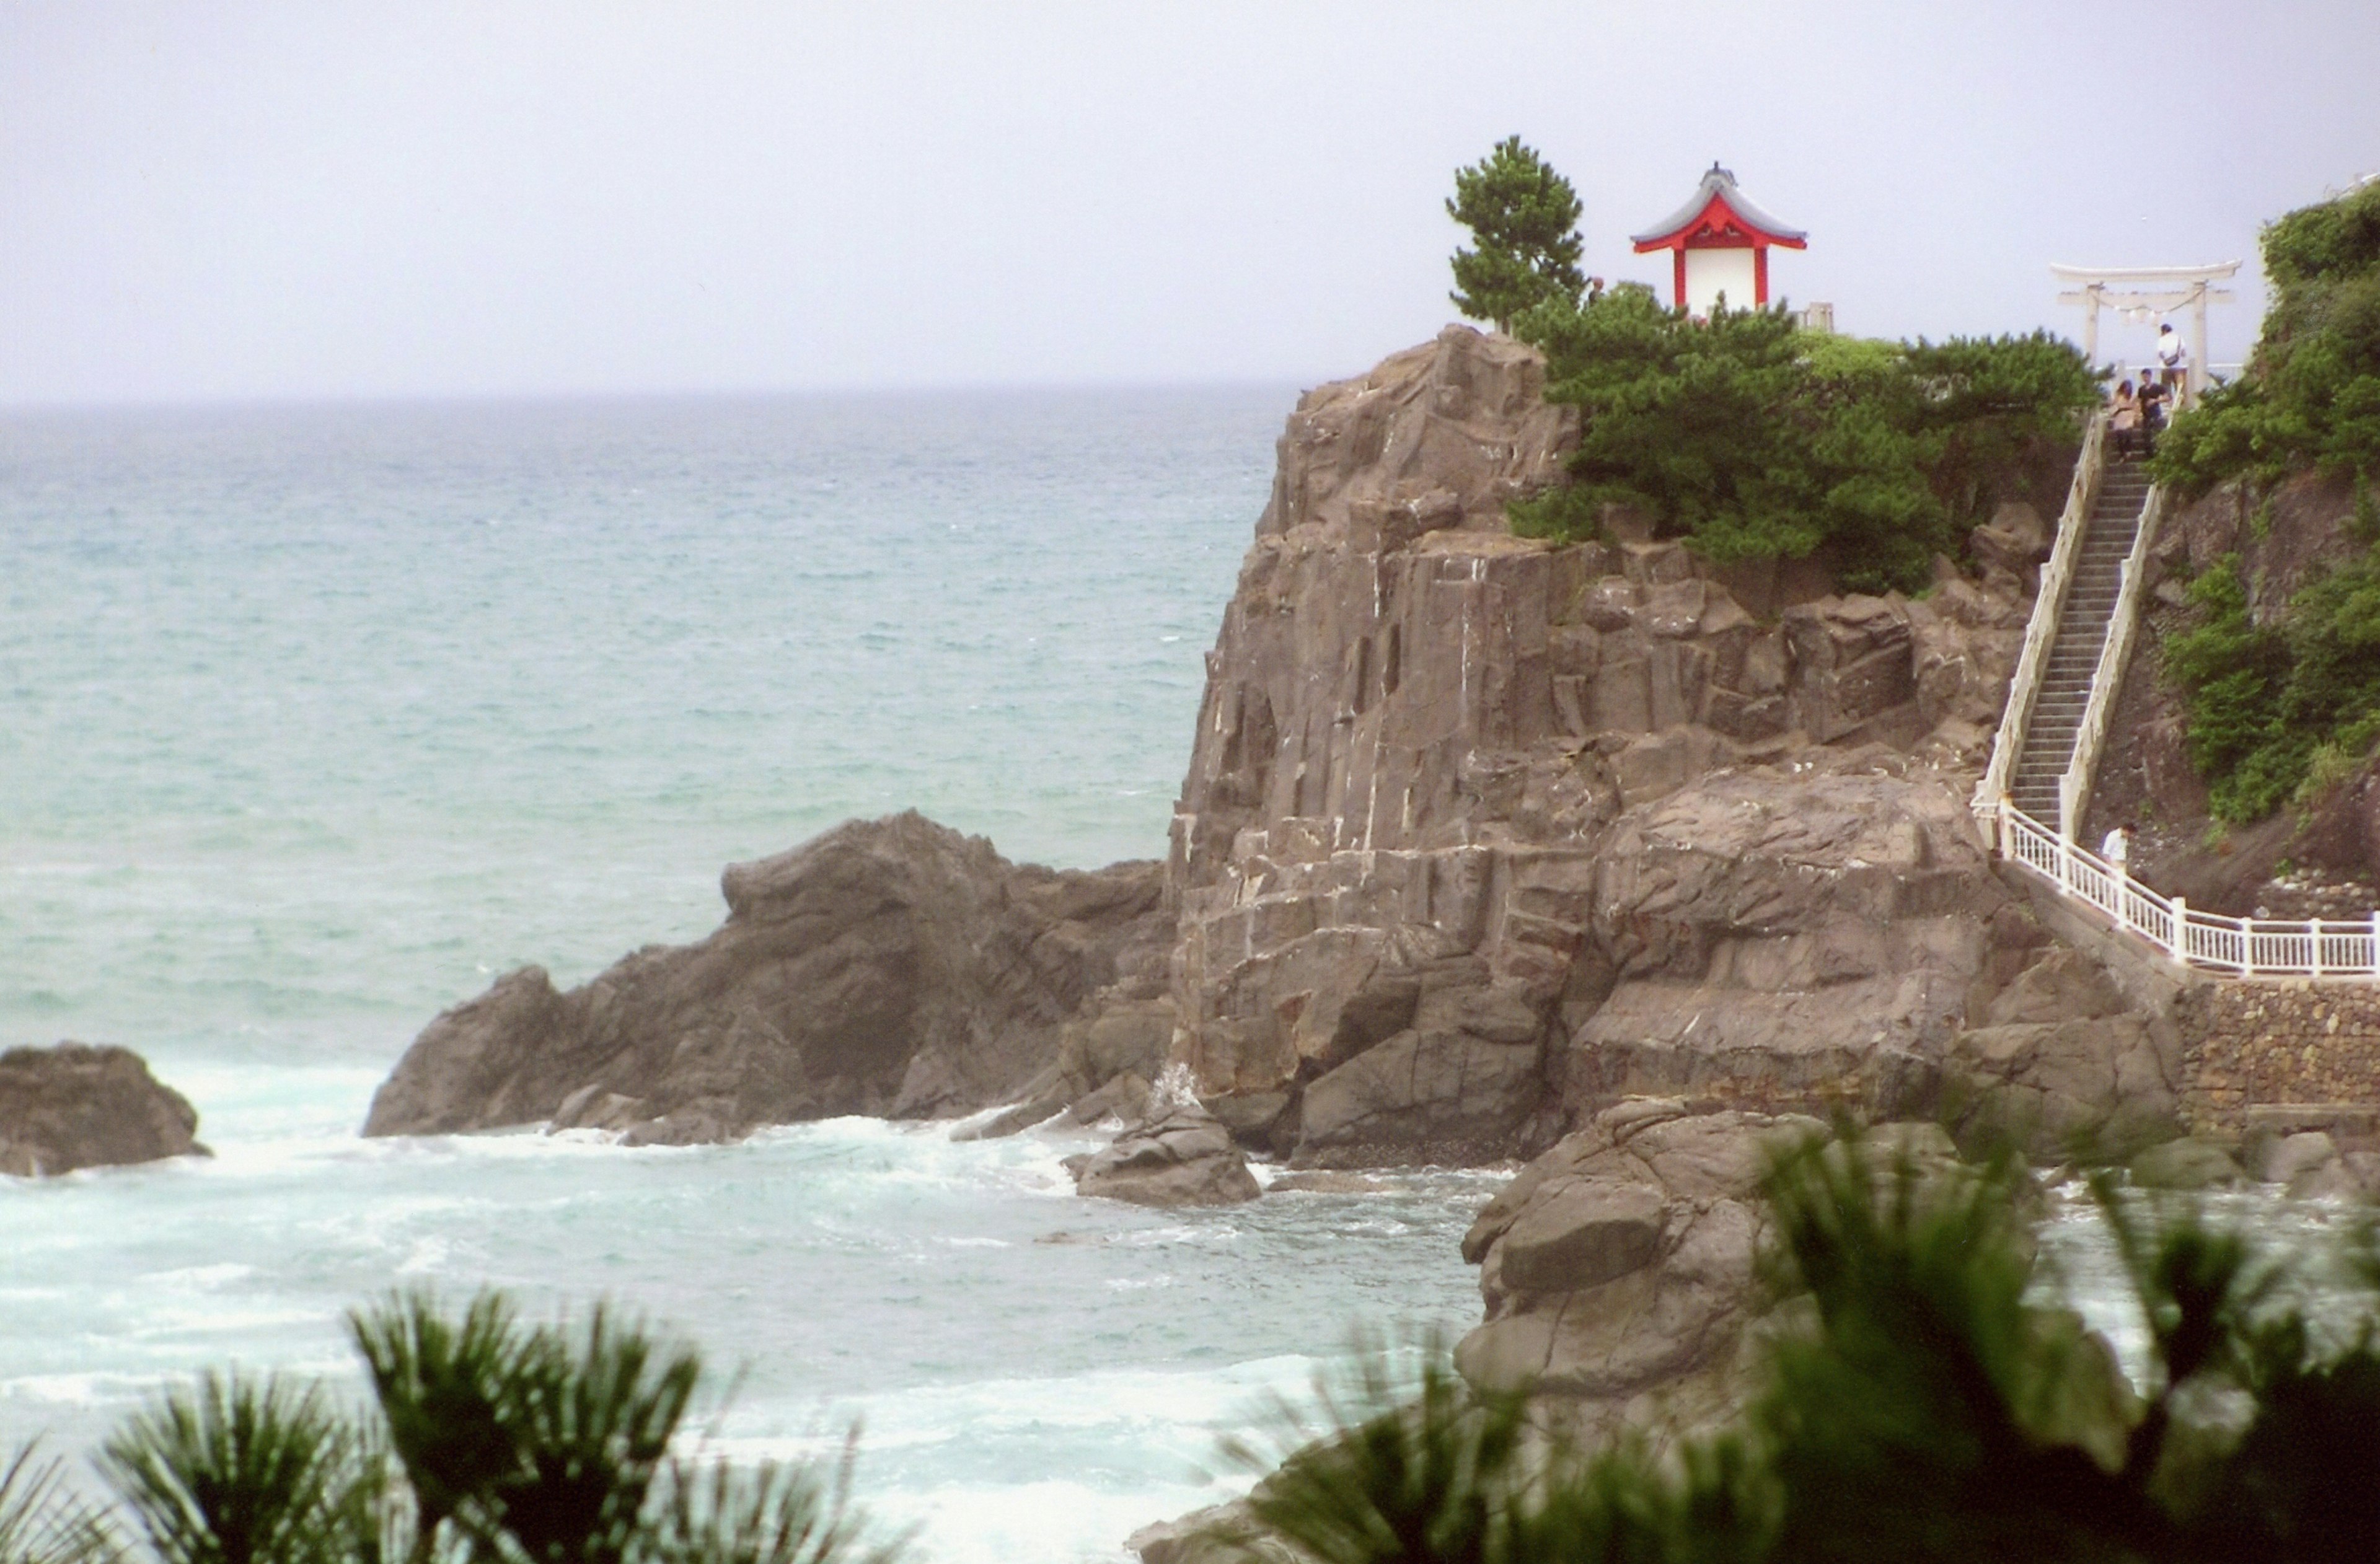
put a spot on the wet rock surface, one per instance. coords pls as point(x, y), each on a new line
point(891, 968)
point(77, 1105)
point(1182, 1156)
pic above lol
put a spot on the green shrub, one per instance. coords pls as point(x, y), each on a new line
point(1754, 440)
point(2310, 398)
point(2278, 712)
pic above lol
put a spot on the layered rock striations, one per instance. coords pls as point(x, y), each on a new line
point(1482, 834)
point(889, 968)
point(82, 1106)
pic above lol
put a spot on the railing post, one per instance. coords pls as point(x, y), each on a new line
point(2008, 834)
point(2065, 861)
point(2247, 947)
point(2315, 924)
point(2373, 968)
point(2180, 946)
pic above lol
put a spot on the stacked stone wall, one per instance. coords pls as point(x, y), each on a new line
point(2260, 1045)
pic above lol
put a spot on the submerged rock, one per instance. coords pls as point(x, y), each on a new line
point(891, 968)
point(81, 1105)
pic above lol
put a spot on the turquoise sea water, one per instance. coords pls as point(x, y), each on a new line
point(312, 719)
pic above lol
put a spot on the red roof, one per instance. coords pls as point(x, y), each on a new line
point(1719, 216)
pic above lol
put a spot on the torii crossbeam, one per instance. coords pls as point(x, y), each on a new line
point(2161, 288)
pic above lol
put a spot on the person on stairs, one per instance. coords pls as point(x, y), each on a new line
point(2124, 420)
point(2173, 361)
point(2153, 406)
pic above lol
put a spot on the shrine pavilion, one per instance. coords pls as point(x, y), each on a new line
point(1720, 243)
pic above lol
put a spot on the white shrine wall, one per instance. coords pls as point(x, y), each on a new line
point(1709, 272)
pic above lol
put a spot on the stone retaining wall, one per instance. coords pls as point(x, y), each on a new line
point(2251, 1046)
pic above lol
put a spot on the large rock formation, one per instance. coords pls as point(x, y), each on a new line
point(1481, 833)
point(78, 1106)
point(889, 968)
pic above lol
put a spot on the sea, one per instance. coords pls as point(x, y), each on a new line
point(315, 719)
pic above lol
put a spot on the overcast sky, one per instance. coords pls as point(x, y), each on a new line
point(340, 198)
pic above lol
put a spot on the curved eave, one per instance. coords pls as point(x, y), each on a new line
point(1703, 219)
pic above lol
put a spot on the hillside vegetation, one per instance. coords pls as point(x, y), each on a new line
point(2279, 709)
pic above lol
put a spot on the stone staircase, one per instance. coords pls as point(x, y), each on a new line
point(2065, 686)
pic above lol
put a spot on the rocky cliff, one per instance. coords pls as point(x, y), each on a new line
point(1482, 835)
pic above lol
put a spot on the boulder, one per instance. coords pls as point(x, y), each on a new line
point(1185, 1156)
point(77, 1105)
point(2189, 1163)
point(2068, 1065)
point(2308, 1165)
point(891, 968)
point(1620, 1269)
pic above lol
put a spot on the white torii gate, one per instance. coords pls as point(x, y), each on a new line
point(2158, 289)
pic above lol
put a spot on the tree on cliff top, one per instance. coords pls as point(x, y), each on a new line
point(1523, 217)
point(1756, 439)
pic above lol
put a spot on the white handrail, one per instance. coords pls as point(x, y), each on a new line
point(2048, 601)
point(2239, 947)
point(2107, 679)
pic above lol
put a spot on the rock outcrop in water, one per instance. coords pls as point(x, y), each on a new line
point(889, 968)
point(81, 1105)
point(1182, 1156)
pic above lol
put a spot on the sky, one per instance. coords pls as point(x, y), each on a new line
point(204, 201)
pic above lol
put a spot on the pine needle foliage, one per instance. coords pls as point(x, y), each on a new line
point(42, 1521)
point(1524, 223)
point(1754, 440)
point(491, 1440)
point(237, 1470)
point(539, 1443)
point(2277, 709)
point(1930, 1411)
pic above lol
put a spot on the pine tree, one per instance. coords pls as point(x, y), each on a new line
point(1524, 218)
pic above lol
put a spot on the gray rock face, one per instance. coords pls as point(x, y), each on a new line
point(1619, 1270)
point(889, 968)
point(80, 1106)
point(1181, 1157)
point(1480, 833)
